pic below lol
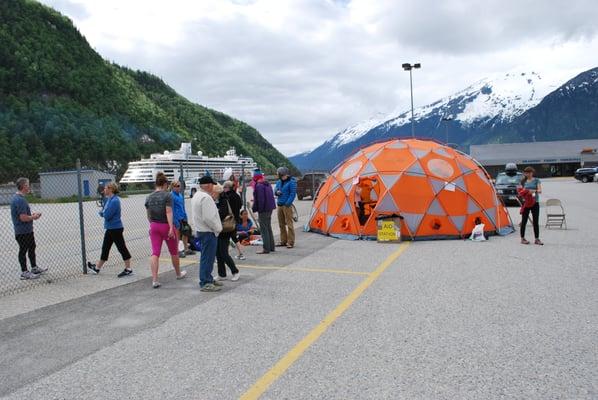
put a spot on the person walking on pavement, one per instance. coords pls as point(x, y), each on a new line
point(22, 220)
point(114, 231)
point(159, 214)
point(263, 204)
point(207, 225)
point(286, 190)
point(229, 202)
point(180, 217)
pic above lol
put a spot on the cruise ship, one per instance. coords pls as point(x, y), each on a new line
point(191, 165)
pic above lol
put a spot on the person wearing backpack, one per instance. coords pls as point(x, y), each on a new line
point(229, 208)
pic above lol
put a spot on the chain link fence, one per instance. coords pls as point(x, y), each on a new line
point(70, 231)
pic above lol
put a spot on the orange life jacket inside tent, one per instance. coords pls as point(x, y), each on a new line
point(439, 192)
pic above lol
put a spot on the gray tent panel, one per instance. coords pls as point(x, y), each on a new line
point(346, 209)
point(396, 145)
point(441, 151)
point(464, 168)
point(334, 185)
point(368, 170)
point(412, 221)
point(491, 213)
point(347, 187)
point(472, 207)
point(458, 221)
point(390, 180)
point(373, 154)
point(419, 153)
point(484, 178)
point(460, 183)
point(435, 208)
point(437, 185)
point(415, 169)
point(329, 221)
point(387, 204)
point(324, 207)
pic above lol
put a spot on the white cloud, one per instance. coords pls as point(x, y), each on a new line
point(301, 70)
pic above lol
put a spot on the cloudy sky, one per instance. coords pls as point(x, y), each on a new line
point(301, 70)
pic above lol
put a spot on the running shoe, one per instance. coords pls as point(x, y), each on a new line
point(92, 267)
point(156, 285)
point(209, 287)
point(25, 275)
point(126, 272)
point(235, 277)
point(38, 270)
point(182, 275)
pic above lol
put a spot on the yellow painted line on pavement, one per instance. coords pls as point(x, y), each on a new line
point(332, 271)
point(296, 352)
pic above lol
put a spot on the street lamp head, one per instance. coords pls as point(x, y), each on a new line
point(406, 66)
point(418, 65)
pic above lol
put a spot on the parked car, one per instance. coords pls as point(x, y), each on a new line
point(586, 174)
point(506, 184)
point(308, 183)
point(191, 186)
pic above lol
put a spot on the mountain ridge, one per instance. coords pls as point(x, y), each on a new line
point(490, 110)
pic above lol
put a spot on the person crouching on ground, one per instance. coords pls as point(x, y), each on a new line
point(285, 190)
point(114, 231)
point(245, 229)
point(180, 217)
point(160, 216)
point(263, 204)
point(229, 203)
point(207, 225)
point(531, 188)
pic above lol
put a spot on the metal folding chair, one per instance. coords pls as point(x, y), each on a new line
point(555, 214)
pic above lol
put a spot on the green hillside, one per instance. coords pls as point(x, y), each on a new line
point(59, 101)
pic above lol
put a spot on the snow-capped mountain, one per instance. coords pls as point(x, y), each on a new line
point(474, 114)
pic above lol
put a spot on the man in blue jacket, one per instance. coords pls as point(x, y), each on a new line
point(285, 190)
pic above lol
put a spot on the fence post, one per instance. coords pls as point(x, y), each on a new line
point(243, 196)
point(81, 222)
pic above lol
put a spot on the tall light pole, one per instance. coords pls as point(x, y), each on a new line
point(410, 67)
point(446, 122)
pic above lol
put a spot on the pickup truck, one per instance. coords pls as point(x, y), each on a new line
point(586, 174)
point(308, 183)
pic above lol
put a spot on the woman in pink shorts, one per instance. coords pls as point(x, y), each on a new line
point(159, 214)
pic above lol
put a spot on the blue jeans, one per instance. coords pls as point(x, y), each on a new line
point(209, 244)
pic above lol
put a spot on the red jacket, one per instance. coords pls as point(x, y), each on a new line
point(529, 200)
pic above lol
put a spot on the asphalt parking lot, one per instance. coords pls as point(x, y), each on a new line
point(329, 319)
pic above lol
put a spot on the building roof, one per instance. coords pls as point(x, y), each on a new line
point(562, 151)
point(74, 171)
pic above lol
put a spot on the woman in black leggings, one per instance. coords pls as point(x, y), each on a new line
point(114, 231)
point(533, 185)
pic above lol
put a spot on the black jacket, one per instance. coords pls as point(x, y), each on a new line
point(235, 204)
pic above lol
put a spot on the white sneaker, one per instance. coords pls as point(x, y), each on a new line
point(182, 275)
point(235, 277)
point(240, 257)
point(219, 278)
point(156, 285)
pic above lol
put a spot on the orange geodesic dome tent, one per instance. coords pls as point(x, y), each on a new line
point(440, 193)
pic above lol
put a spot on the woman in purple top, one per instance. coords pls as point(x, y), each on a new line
point(263, 204)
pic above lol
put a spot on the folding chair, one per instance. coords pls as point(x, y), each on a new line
point(555, 214)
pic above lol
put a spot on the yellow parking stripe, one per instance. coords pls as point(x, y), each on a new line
point(285, 363)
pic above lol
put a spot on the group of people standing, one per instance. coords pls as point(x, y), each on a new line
point(218, 218)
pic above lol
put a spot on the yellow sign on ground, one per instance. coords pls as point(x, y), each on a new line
point(389, 230)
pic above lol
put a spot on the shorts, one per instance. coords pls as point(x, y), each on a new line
point(158, 234)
